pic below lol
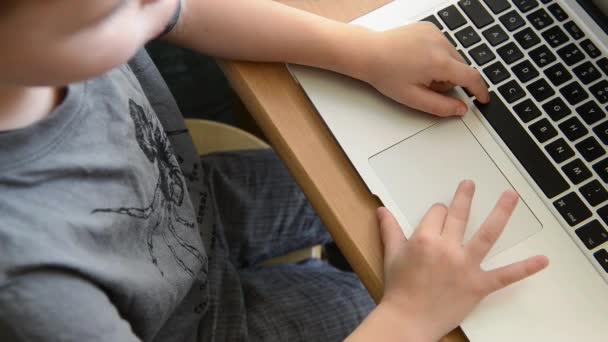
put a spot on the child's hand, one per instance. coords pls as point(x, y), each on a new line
point(416, 64)
point(435, 281)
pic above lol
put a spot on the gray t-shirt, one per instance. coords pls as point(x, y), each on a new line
point(106, 227)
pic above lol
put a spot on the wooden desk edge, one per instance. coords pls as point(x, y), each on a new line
point(247, 84)
point(363, 266)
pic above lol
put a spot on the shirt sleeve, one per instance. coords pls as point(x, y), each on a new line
point(174, 19)
point(58, 307)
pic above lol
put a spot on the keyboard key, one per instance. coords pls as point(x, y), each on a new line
point(592, 234)
point(523, 147)
point(482, 54)
point(540, 19)
point(600, 91)
point(542, 56)
point(527, 110)
point(602, 257)
point(594, 192)
point(590, 48)
point(557, 109)
point(540, 90)
point(560, 151)
point(603, 64)
point(574, 93)
point(590, 149)
point(496, 73)
point(433, 19)
point(467, 36)
point(572, 209)
point(543, 130)
point(476, 12)
point(571, 54)
point(555, 36)
point(591, 113)
point(525, 5)
point(601, 169)
point(466, 59)
point(495, 35)
point(558, 12)
point(511, 91)
point(603, 213)
point(449, 38)
point(452, 17)
point(512, 20)
point(498, 6)
point(558, 74)
point(510, 53)
point(576, 171)
point(587, 73)
point(526, 38)
point(601, 131)
point(525, 71)
point(573, 128)
point(574, 30)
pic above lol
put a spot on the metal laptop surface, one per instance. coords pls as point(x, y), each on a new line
point(390, 144)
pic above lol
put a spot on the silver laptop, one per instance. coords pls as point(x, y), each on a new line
point(544, 134)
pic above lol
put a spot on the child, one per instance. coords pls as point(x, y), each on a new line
point(112, 229)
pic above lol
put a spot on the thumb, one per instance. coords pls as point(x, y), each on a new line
point(430, 101)
point(392, 235)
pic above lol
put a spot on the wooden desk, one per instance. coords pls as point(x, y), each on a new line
point(314, 158)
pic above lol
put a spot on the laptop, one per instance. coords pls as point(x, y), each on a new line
point(543, 134)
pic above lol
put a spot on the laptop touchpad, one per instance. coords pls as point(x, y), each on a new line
point(427, 167)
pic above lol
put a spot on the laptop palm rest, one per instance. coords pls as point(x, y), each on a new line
point(426, 168)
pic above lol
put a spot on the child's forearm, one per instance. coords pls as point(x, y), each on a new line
point(264, 30)
point(386, 324)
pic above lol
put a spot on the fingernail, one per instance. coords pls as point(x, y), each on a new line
point(380, 212)
point(467, 182)
point(462, 110)
point(511, 195)
point(544, 261)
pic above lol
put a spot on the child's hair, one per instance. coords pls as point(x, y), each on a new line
point(7, 5)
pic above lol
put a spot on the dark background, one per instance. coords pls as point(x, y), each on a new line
point(196, 81)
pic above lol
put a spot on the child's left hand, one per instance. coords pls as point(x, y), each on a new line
point(435, 266)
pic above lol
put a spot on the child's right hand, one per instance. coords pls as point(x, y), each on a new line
point(433, 280)
point(415, 64)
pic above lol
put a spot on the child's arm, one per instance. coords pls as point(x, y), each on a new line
point(412, 64)
point(433, 281)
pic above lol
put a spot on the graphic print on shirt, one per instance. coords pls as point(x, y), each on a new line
point(162, 212)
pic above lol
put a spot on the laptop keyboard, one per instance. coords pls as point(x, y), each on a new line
point(549, 98)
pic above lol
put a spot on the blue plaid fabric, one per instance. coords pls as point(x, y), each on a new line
point(263, 214)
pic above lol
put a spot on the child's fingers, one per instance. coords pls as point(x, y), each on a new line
point(465, 76)
point(491, 229)
point(433, 221)
point(391, 233)
point(456, 55)
point(458, 213)
point(441, 87)
point(429, 101)
point(507, 275)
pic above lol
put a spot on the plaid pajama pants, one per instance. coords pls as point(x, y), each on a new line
point(263, 214)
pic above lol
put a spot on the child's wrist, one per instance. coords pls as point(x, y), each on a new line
point(356, 52)
point(408, 325)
